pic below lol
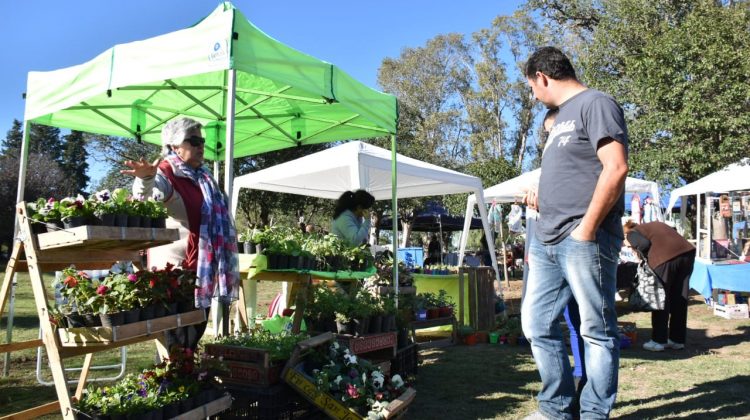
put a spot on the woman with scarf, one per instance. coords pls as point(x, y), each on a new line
point(199, 209)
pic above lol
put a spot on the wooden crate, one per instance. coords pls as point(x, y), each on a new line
point(251, 374)
point(75, 337)
point(295, 377)
point(107, 237)
point(207, 410)
point(370, 343)
point(239, 353)
point(332, 407)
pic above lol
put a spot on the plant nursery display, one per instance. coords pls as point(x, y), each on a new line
point(178, 384)
point(356, 382)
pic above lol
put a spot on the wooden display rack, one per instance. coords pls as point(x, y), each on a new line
point(57, 250)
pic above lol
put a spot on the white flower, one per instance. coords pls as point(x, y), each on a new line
point(397, 381)
point(335, 345)
point(337, 380)
point(364, 377)
point(378, 379)
point(350, 359)
point(158, 195)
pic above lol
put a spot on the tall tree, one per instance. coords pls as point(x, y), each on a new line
point(44, 139)
point(683, 82)
point(44, 178)
point(73, 162)
point(111, 152)
point(13, 140)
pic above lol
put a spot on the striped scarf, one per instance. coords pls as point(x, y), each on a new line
point(217, 243)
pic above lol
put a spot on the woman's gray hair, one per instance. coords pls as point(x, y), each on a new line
point(173, 133)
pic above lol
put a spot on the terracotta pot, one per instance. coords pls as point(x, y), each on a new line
point(469, 339)
point(445, 311)
point(433, 313)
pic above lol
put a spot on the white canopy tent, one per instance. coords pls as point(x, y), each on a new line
point(514, 189)
point(357, 165)
point(735, 177)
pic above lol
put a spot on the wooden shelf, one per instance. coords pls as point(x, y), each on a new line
point(435, 322)
point(107, 237)
point(93, 336)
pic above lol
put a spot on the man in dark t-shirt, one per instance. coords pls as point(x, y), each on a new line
point(578, 237)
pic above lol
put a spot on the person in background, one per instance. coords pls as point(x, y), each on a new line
point(198, 208)
point(350, 219)
point(671, 257)
point(433, 251)
point(578, 236)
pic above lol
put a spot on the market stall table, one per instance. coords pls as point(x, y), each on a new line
point(254, 266)
point(706, 277)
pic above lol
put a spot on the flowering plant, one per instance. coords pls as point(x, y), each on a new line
point(357, 383)
point(74, 207)
point(103, 203)
point(77, 288)
point(46, 210)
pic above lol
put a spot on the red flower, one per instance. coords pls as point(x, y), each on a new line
point(352, 391)
point(152, 283)
point(83, 274)
point(173, 283)
point(71, 281)
point(102, 290)
point(378, 396)
point(169, 267)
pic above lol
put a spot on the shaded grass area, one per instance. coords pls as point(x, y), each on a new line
point(709, 379)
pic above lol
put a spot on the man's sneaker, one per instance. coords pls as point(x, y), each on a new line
point(674, 346)
point(652, 345)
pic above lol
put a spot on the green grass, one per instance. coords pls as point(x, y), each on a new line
point(709, 379)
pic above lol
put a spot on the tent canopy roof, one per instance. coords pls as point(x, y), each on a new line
point(433, 218)
point(735, 177)
point(513, 189)
point(357, 165)
point(284, 98)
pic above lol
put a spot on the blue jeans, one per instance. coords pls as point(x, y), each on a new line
point(587, 272)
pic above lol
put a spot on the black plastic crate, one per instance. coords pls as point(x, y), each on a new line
point(278, 402)
point(406, 361)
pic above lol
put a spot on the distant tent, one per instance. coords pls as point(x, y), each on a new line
point(434, 218)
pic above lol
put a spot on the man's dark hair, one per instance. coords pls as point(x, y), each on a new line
point(552, 62)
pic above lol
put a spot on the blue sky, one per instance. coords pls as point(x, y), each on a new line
point(44, 35)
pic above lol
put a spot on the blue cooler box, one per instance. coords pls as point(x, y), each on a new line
point(411, 257)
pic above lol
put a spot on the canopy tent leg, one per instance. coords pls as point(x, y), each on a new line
point(394, 209)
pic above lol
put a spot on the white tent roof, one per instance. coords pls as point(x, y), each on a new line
point(513, 189)
point(735, 177)
point(357, 165)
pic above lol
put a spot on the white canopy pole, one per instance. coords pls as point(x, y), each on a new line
point(465, 233)
point(394, 217)
point(490, 237)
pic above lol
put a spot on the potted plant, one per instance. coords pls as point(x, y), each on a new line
point(419, 304)
point(445, 304)
point(467, 334)
point(121, 206)
point(431, 304)
point(49, 211)
point(103, 207)
point(512, 329)
point(156, 212)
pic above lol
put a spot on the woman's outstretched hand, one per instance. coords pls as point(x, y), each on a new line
point(140, 169)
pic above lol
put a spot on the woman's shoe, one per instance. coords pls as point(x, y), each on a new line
point(652, 345)
point(674, 346)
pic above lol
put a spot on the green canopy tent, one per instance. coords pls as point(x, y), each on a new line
point(252, 93)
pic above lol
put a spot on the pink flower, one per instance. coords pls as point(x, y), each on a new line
point(132, 277)
point(102, 290)
point(352, 391)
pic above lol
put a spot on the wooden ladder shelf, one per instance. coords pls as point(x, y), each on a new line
point(88, 247)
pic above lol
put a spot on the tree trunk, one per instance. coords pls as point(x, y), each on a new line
point(406, 230)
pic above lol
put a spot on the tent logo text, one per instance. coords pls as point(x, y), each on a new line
point(218, 51)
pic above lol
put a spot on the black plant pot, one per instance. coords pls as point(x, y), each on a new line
point(185, 306)
point(273, 261)
point(171, 410)
point(403, 338)
point(376, 322)
point(361, 326)
point(186, 404)
point(119, 417)
point(121, 220)
point(132, 315)
point(159, 223)
point(246, 248)
point(53, 225)
point(92, 320)
point(283, 262)
point(106, 220)
point(159, 310)
point(37, 228)
point(145, 222)
point(75, 320)
point(73, 222)
point(345, 327)
point(172, 308)
point(147, 312)
point(389, 323)
point(134, 221)
point(112, 320)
